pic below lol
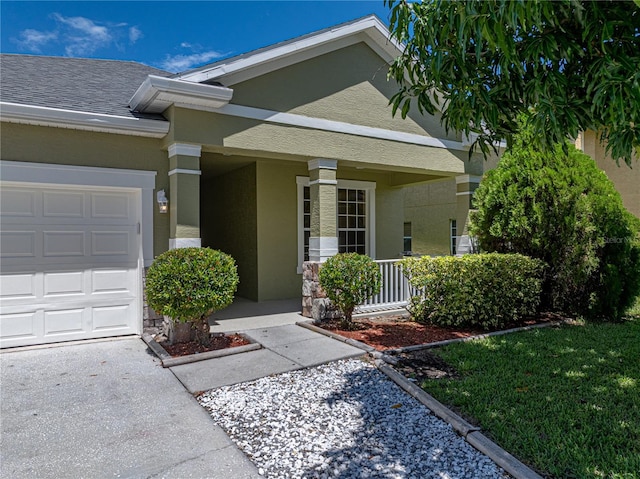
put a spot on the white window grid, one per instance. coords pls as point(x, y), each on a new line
point(355, 214)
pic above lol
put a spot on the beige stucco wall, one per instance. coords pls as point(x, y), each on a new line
point(255, 138)
point(348, 85)
point(429, 208)
point(278, 229)
point(81, 148)
point(228, 217)
point(625, 178)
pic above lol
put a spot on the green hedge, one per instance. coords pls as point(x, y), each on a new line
point(485, 290)
point(190, 283)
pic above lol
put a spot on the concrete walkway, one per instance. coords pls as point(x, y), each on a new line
point(106, 409)
point(285, 348)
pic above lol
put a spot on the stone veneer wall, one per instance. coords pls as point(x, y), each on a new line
point(150, 319)
point(315, 303)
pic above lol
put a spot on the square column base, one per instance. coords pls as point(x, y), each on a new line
point(322, 247)
point(184, 243)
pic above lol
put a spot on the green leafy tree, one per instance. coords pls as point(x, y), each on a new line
point(558, 206)
point(349, 279)
point(574, 64)
point(188, 284)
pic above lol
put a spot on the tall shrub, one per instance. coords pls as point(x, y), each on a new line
point(559, 207)
point(349, 279)
point(188, 284)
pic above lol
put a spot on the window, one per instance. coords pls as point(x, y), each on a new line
point(306, 227)
point(355, 214)
point(407, 238)
point(454, 235)
point(352, 220)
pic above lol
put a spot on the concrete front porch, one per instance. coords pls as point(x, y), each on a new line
point(244, 314)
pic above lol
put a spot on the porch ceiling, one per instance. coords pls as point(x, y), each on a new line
point(216, 163)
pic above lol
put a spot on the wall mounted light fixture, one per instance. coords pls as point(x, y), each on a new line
point(163, 202)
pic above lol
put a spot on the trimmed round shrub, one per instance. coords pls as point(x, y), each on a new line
point(485, 290)
point(349, 279)
point(188, 284)
point(559, 207)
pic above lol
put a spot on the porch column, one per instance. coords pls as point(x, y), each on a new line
point(184, 195)
point(323, 186)
point(465, 187)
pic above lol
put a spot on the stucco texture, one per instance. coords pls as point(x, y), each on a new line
point(348, 85)
point(429, 208)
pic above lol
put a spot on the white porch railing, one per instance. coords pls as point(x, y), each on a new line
point(394, 293)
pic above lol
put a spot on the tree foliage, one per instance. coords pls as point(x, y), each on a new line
point(574, 64)
point(560, 208)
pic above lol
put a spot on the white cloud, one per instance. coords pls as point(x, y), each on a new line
point(82, 35)
point(178, 63)
point(135, 34)
point(33, 40)
point(78, 36)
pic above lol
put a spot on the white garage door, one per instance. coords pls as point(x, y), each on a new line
point(69, 264)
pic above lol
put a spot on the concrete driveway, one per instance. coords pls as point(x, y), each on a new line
point(106, 409)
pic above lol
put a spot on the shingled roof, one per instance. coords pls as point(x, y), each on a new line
point(79, 84)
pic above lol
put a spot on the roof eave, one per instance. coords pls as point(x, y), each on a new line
point(369, 29)
point(156, 94)
point(80, 120)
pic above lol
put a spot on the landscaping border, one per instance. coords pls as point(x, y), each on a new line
point(472, 434)
point(168, 361)
point(437, 344)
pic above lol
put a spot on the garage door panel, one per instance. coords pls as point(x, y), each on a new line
point(64, 283)
point(70, 264)
point(22, 327)
point(18, 244)
point(18, 286)
point(63, 243)
point(18, 203)
point(111, 317)
point(105, 205)
point(64, 321)
point(48, 245)
point(112, 281)
point(63, 204)
point(113, 242)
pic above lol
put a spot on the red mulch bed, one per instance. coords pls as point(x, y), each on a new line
point(393, 332)
point(193, 347)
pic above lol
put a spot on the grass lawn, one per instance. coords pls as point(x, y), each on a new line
point(566, 400)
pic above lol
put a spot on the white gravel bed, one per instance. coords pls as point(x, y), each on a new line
point(341, 420)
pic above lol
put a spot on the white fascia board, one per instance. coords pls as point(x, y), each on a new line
point(81, 120)
point(270, 116)
point(156, 94)
point(370, 30)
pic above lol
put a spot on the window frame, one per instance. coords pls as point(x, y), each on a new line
point(453, 238)
point(370, 197)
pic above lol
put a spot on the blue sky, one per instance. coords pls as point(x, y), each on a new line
point(171, 35)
